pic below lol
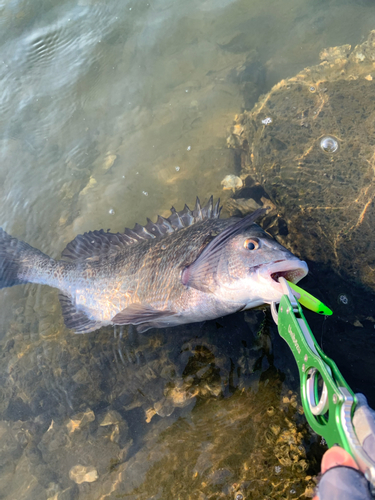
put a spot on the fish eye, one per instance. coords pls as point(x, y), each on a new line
point(251, 244)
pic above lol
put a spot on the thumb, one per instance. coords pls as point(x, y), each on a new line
point(337, 456)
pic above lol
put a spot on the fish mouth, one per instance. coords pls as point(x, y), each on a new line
point(291, 270)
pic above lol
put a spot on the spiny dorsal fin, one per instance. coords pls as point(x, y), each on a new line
point(187, 216)
point(94, 244)
point(197, 212)
point(179, 220)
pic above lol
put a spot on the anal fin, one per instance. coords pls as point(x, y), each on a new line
point(74, 319)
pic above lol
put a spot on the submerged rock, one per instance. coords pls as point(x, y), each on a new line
point(231, 182)
point(79, 421)
point(316, 158)
point(81, 474)
point(241, 206)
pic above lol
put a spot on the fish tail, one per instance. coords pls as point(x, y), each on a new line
point(20, 263)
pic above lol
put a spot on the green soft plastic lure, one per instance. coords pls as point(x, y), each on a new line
point(309, 301)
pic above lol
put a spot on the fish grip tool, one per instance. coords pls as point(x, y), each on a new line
point(328, 401)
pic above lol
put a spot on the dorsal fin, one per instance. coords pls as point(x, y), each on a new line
point(197, 212)
point(178, 220)
point(94, 244)
point(187, 216)
point(208, 209)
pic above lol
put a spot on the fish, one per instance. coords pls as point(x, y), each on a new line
point(190, 267)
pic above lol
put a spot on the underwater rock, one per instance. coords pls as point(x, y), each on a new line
point(224, 449)
point(231, 182)
point(111, 418)
point(316, 158)
point(81, 454)
point(142, 414)
point(79, 421)
point(240, 206)
point(109, 160)
point(88, 186)
point(10, 449)
point(81, 474)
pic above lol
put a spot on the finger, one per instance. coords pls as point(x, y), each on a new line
point(337, 456)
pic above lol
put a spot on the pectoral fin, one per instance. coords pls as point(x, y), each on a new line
point(168, 321)
point(137, 314)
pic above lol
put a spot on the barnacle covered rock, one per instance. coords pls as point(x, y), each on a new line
point(315, 157)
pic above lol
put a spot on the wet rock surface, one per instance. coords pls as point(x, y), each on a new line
point(81, 474)
point(310, 143)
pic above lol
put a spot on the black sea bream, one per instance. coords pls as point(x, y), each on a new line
point(192, 266)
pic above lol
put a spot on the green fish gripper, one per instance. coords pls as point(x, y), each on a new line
point(328, 406)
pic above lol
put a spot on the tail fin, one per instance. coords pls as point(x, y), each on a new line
point(18, 261)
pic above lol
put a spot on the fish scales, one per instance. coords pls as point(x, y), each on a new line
point(148, 272)
point(190, 267)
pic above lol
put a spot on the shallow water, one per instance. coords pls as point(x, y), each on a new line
point(110, 112)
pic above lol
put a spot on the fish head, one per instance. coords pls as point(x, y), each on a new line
point(250, 265)
point(242, 265)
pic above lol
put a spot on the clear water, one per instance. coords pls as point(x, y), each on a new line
point(111, 112)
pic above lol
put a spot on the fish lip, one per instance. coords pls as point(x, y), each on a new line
point(291, 270)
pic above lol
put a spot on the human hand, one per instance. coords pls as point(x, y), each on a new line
point(341, 478)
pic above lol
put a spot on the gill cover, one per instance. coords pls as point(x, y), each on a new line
point(195, 275)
